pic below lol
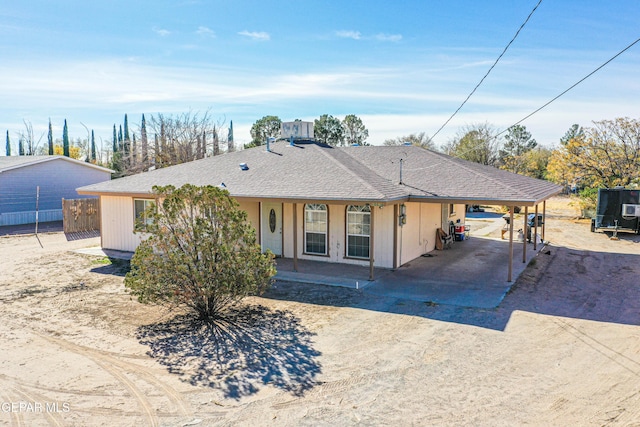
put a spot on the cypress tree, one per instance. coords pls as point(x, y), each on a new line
point(93, 147)
point(20, 147)
point(120, 140)
point(115, 140)
point(126, 128)
point(65, 139)
point(230, 144)
point(8, 146)
point(50, 139)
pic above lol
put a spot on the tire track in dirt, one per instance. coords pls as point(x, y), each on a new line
point(53, 418)
point(324, 389)
point(41, 387)
point(16, 417)
point(115, 367)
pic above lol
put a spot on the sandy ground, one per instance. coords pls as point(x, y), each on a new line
point(562, 349)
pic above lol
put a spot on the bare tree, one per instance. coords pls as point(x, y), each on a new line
point(182, 138)
point(418, 139)
point(28, 139)
point(476, 143)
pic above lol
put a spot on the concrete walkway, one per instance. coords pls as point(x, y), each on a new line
point(473, 273)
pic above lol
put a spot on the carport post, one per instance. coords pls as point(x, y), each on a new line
point(371, 234)
point(535, 230)
point(510, 243)
point(544, 217)
point(295, 237)
point(524, 235)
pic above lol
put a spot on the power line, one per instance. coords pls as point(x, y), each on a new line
point(493, 137)
point(572, 86)
point(491, 68)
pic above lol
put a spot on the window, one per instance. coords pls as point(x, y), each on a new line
point(358, 231)
point(139, 208)
point(452, 209)
point(315, 229)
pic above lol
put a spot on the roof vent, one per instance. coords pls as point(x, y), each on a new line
point(270, 141)
point(244, 167)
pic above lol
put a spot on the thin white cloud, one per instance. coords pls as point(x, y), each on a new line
point(161, 31)
point(349, 34)
point(256, 35)
point(205, 32)
point(398, 100)
point(388, 37)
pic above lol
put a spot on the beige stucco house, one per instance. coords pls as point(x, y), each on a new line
point(373, 205)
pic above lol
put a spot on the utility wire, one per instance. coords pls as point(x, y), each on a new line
point(491, 68)
point(571, 87)
point(493, 137)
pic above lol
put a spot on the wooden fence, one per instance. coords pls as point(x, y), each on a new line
point(80, 215)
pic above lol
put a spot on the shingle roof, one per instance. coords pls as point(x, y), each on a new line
point(14, 162)
point(429, 174)
point(311, 171)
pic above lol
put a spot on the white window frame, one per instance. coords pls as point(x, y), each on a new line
point(358, 211)
point(316, 208)
point(136, 213)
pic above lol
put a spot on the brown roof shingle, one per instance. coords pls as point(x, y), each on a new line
point(311, 171)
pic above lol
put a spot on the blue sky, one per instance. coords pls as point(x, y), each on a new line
point(402, 66)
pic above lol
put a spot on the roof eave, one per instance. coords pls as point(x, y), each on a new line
point(484, 200)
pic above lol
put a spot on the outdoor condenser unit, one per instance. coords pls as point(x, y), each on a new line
point(631, 210)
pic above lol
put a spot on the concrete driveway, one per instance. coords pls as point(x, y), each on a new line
point(473, 273)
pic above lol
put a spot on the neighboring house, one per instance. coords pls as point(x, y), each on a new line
point(57, 176)
point(376, 205)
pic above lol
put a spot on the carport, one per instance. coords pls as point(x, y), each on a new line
point(472, 273)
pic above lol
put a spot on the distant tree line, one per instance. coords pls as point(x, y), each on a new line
point(326, 129)
point(160, 141)
point(606, 154)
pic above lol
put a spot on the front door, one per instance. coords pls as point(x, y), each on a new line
point(445, 217)
point(272, 227)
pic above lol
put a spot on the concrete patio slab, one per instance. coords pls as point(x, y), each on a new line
point(98, 251)
point(473, 273)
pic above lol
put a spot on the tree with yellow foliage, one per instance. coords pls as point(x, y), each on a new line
point(74, 151)
point(606, 155)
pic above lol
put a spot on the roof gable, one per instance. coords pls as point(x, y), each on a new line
point(14, 162)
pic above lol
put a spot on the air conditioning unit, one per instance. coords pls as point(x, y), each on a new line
point(631, 210)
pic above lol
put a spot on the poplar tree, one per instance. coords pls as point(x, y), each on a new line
point(144, 144)
point(93, 147)
point(65, 139)
point(50, 140)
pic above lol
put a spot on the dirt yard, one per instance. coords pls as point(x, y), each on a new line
point(562, 349)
